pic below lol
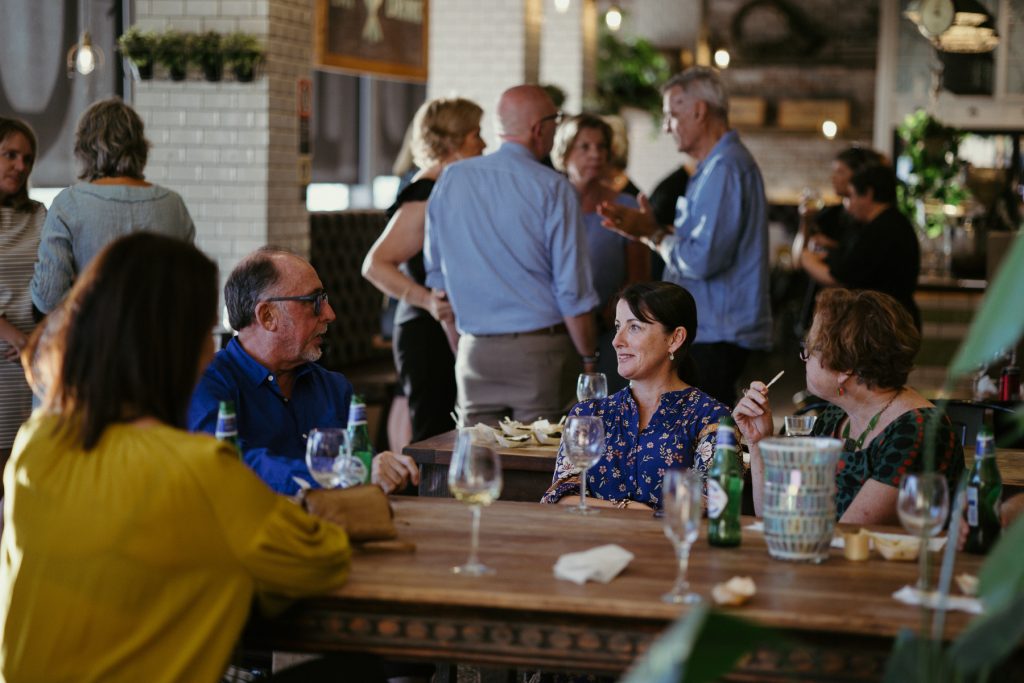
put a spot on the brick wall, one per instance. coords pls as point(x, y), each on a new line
point(230, 149)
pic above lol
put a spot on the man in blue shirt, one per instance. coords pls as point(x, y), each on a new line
point(718, 245)
point(505, 241)
point(278, 305)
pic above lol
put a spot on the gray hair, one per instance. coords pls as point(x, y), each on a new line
point(110, 141)
point(247, 283)
point(703, 83)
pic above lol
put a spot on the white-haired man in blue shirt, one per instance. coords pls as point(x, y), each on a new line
point(505, 241)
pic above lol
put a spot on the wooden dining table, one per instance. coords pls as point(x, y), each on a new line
point(839, 616)
point(527, 470)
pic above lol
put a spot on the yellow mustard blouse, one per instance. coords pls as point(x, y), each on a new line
point(138, 561)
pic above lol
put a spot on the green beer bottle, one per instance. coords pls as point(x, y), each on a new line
point(984, 492)
point(359, 434)
point(227, 425)
point(725, 488)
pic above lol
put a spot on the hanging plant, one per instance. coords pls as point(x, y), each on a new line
point(204, 50)
point(172, 53)
point(138, 47)
point(243, 54)
point(934, 172)
point(630, 74)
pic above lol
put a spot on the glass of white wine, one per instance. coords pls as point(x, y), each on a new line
point(474, 478)
point(923, 505)
point(583, 440)
point(327, 456)
point(683, 505)
point(591, 385)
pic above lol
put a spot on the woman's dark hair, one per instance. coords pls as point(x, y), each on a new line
point(867, 333)
point(880, 178)
point(110, 141)
point(671, 306)
point(857, 158)
point(126, 342)
point(9, 127)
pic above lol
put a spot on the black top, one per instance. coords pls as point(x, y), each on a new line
point(417, 191)
point(883, 256)
point(665, 196)
point(834, 222)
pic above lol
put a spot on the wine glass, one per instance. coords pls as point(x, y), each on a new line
point(329, 458)
point(682, 501)
point(923, 505)
point(583, 439)
point(474, 478)
point(591, 385)
point(799, 425)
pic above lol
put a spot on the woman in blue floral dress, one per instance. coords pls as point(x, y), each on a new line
point(660, 420)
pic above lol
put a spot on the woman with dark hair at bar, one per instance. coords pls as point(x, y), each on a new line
point(21, 220)
point(113, 200)
point(660, 421)
point(133, 549)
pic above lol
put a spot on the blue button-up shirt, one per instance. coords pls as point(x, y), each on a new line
point(719, 251)
point(272, 429)
point(505, 239)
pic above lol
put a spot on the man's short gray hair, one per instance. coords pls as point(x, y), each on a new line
point(247, 284)
point(703, 83)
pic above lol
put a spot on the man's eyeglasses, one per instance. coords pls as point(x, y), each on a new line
point(556, 117)
point(317, 298)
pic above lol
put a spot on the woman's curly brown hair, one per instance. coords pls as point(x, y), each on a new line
point(867, 333)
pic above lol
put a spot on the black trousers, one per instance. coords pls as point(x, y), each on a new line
point(720, 365)
point(426, 368)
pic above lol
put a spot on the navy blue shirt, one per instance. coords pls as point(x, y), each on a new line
point(272, 429)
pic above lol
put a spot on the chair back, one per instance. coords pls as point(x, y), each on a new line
point(968, 417)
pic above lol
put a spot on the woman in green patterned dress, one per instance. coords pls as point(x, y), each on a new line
point(859, 352)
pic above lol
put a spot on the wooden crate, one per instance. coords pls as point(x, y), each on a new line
point(746, 111)
point(809, 114)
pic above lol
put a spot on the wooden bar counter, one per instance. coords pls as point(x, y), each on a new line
point(409, 605)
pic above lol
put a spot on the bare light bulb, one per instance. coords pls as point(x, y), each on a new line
point(83, 57)
point(562, 6)
point(722, 58)
point(613, 18)
point(85, 60)
point(829, 129)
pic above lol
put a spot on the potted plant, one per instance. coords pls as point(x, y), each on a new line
point(934, 171)
point(138, 46)
point(630, 74)
point(204, 50)
point(243, 54)
point(172, 52)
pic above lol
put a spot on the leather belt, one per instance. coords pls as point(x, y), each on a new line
point(549, 331)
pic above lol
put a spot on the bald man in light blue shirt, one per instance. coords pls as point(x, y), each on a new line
point(505, 241)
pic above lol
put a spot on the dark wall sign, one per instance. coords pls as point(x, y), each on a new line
point(383, 37)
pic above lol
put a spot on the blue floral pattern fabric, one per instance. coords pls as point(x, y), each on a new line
point(681, 433)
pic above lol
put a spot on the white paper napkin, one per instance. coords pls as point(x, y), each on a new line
point(912, 596)
point(755, 526)
point(602, 563)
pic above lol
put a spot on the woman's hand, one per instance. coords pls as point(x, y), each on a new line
point(13, 336)
point(753, 415)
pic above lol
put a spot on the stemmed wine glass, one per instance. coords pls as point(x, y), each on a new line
point(329, 458)
point(583, 439)
point(474, 478)
point(591, 385)
point(923, 505)
point(799, 425)
point(682, 501)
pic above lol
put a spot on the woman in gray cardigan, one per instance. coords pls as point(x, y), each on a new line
point(114, 200)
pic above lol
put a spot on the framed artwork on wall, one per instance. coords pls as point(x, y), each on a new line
point(380, 37)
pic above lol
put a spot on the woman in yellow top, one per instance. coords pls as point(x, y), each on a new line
point(133, 549)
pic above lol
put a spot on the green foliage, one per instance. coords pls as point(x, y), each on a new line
point(935, 169)
point(242, 50)
point(138, 45)
point(204, 49)
point(718, 640)
point(172, 50)
point(629, 74)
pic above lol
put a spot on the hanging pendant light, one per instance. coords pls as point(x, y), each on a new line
point(613, 18)
point(561, 6)
point(961, 26)
point(83, 56)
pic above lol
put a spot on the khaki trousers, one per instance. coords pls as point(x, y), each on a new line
point(523, 376)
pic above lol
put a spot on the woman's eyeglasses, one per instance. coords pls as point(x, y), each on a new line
point(317, 298)
point(805, 352)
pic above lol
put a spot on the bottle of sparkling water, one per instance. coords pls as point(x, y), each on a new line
point(984, 492)
point(725, 488)
point(227, 425)
point(359, 434)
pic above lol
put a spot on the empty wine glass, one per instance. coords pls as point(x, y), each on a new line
point(682, 501)
point(923, 505)
point(330, 461)
point(583, 439)
point(474, 478)
point(591, 385)
point(799, 425)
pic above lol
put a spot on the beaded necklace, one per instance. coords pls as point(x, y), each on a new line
point(871, 423)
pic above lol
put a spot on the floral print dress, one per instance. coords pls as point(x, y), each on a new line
point(681, 433)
